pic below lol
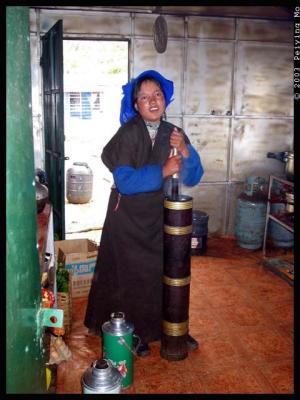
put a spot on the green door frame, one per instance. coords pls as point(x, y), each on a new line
point(25, 363)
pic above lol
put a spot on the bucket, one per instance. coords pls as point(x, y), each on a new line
point(101, 377)
point(118, 345)
point(79, 183)
point(199, 233)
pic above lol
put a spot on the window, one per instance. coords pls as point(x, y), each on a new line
point(83, 105)
point(75, 104)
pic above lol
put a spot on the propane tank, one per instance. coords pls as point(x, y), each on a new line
point(280, 236)
point(251, 209)
point(118, 345)
point(79, 183)
point(101, 377)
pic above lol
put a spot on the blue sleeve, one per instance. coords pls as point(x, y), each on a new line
point(192, 170)
point(129, 180)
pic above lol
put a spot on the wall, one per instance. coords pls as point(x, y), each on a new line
point(233, 91)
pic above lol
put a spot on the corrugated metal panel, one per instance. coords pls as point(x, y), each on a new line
point(32, 20)
point(144, 25)
point(210, 138)
point(208, 77)
point(202, 65)
point(212, 200)
point(233, 11)
point(37, 130)
point(265, 31)
point(264, 84)
point(176, 121)
point(85, 23)
point(34, 72)
point(36, 103)
point(233, 192)
point(169, 64)
point(252, 140)
point(284, 13)
point(211, 28)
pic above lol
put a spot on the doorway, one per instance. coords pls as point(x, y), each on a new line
point(94, 72)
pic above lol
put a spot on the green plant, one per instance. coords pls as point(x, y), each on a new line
point(62, 279)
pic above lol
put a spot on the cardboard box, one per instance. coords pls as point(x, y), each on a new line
point(80, 285)
point(79, 257)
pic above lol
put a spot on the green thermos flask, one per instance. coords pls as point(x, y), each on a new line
point(117, 343)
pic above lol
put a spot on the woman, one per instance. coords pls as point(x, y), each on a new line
point(129, 267)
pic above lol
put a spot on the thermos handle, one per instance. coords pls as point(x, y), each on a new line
point(123, 342)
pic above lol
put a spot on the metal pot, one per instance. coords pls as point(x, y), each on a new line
point(289, 166)
point(289, 202)
point(101, 377)
point(288, 158)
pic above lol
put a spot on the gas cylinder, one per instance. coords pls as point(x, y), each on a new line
point(101, 377)
point(280, 236)
point(251, 209)
point(79, 183)
point(118, 345)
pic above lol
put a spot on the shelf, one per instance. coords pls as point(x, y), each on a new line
point(283, 219)
point(282, 266)
point(287, 226)
point(282, 180)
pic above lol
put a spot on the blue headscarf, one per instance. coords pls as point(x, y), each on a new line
point(127, 108)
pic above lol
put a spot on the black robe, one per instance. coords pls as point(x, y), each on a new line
point(129, 267)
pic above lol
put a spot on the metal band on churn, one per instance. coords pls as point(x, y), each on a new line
point(178, 230)
point(176, 282)
point(176, 329)
point(176, 279)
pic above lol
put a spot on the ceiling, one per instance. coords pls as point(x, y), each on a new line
point(263, 12)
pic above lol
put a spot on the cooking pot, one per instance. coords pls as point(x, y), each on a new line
point(41, 194)
point(289, 202)
point(288, 158)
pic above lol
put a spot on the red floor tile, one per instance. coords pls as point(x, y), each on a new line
point(242, 316)
point(272, 292)
point(280, 375)
point(265, 345)
point(235, 380)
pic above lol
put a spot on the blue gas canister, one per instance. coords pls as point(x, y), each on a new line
point(251, 209)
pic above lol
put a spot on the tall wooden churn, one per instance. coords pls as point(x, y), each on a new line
point(176, 275)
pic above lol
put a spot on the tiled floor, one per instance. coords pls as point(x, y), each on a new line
point(240, 312)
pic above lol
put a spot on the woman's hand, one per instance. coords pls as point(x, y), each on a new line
point(171, 166)
point(177, 141)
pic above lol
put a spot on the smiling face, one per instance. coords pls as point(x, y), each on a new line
point(150, 101)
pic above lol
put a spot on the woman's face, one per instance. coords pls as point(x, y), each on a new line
point(150, 101)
